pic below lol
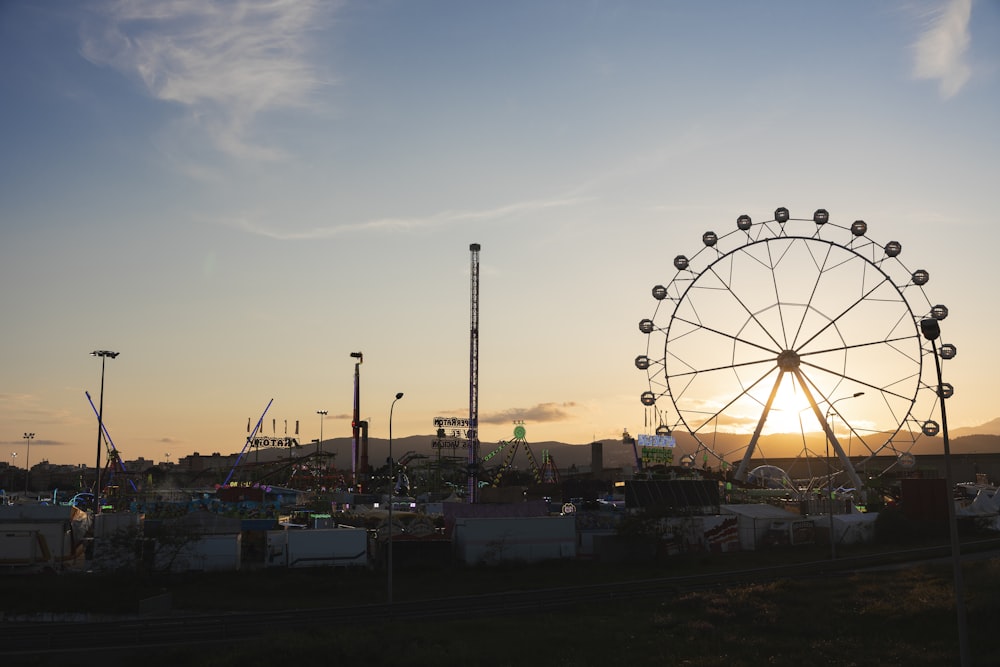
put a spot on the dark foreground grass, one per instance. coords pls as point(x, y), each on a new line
point(879, 618)
point(898, 617)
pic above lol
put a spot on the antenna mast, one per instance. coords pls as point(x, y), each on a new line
point(356, 419)
point(473, 433)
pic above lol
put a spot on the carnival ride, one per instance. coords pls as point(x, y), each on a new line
point(496, 476)
point(114, 466)
point(766, 328)
point(550, 471)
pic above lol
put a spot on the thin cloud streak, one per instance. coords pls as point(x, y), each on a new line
point(543, 412)
point(939, 53)
point(397, 224)
point(224, 62)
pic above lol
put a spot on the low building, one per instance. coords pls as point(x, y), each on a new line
point(331, 547)
point(42, 537)
point(479, 540)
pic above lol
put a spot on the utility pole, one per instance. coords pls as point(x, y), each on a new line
point(356, 418)
point(472, 490)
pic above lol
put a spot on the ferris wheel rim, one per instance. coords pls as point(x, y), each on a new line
point(798, 349)
point(679, 291)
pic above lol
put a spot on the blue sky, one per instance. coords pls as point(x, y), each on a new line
point(236, 195)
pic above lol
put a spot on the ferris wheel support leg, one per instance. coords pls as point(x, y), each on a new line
point(846, 462)
point(741, 472)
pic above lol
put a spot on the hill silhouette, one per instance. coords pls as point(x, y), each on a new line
point(991, 427)
point(616, 454)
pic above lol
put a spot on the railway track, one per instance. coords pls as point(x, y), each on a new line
point(34, 638)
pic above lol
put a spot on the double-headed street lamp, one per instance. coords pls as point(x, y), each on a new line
point(27, 460)
point(829, 470)
point(392, 482)
point(356, 419)
point(13, 458)
point(321, 413)
point(930, 328)
point(104, 355)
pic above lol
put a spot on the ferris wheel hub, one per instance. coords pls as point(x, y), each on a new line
point(788, 360)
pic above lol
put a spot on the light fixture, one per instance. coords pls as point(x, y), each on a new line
point(104, 356)
point(829, 469)
point(28, 437)
point(392, 482)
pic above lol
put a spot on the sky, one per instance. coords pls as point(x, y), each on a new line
point(237, 195)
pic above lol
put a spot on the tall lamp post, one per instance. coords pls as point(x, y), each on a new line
point(931, 330)
point(829, 471)
point(13, 459)
point(321, 413)
point(104, 355)
point(356, 418)
point(392, 482)
point(27, 461)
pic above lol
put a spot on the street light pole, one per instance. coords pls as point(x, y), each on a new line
point(13, 457)
point(321, 413)
point(392, 482)
point(104, 355)
point(931, 330)
point(27, 461)
point(829, 471)
point(356, 419)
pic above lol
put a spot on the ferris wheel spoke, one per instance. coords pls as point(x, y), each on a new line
point(746, 392)
point(856, 346)
point(884, 389)
point(777, 295)
point(729, 336)
point(748, 311)
point(881, 389)
point(726, 367)
point(834, 320)
point(821, 271)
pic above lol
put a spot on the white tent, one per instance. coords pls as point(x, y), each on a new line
point(854, 528)
point(756, 520)
point(985, 503)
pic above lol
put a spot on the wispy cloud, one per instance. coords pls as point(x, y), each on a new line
point(939, 53)
point(253, 225)
point(543, 412)
point(224, 62)
point(28, 409)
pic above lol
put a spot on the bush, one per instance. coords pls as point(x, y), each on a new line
point(893, 527)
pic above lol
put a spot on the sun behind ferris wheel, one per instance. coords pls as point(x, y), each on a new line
point(769, 327)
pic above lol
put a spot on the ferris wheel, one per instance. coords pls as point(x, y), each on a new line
point(770, 327)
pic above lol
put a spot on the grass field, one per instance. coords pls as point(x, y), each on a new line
point(888, 617)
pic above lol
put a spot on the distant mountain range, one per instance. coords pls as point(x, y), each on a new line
point(989, 428)
point(981, 439)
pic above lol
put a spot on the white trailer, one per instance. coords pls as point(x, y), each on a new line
point(322, 547)
point(524, 539)
point(115, 535)
point(204, 553)
point(758, 523)
point(38, 537)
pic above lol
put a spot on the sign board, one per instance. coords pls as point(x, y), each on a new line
point(657, 441)
point(274, 442)
point(451, 422)
point(450, 444)
point(452, 433)
point(652, 456)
